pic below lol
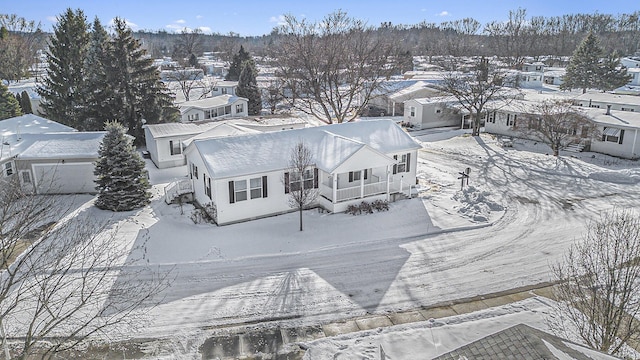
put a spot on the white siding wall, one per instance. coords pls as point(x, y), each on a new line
point(162, 152)
point(630, 147)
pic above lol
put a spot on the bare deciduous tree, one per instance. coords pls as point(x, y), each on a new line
point(301, 180)
point(556, 123)
point(597, 291)
point(272, 95)
point(333, 66)
point(60, 276)
point(475, 89)
point(188, 43)
point(19, 42)
point(187, 80)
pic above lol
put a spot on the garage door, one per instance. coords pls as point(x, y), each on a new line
point(72, 178)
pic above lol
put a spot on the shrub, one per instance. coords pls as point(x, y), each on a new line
point(380, 205)
point(365, 208)
point(353, 210)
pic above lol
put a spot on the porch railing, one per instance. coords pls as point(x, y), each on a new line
point(177, 188)
point(355, 192)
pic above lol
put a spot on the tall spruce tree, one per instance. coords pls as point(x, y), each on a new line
point(98, 90)
point(141, 94)
point(248, 87)
point(25, 103)
point(9, 106)
point(236, 64)
point(62, 90)
point(120, 175)
point(591, 68)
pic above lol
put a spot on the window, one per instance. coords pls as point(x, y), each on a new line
point(175, 147)
point(207, 114)
point(239, 108)
point(26, 177)
point(492, 117)
point(194, 170)
point(611, 134)
point(240, 190)
point(227, 110)
point(594, 106)
point(438, 111)
point(511, 120)
point(224, 91)
point(412, 109)
point(258, 187)
point(207, 185)
point(355, 175)
point(403, 165)
point(628, 109)
point(8, 168)
point(293, 181)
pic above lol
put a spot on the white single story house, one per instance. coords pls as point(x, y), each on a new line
point(524, 79)
point(619, 133)
point(247, 177)
point(554, 75)
point(223, 87)
point(217, 107)
point(432, 112)
point(48, 157)
point(533, 67)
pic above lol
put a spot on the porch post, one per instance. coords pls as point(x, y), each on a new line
point(361, 184)
point(633, 146)
point(388, 181)
point(393, 109)
point(335, 188)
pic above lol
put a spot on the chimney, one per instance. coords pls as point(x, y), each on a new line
point(608, 110)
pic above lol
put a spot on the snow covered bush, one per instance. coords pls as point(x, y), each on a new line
point(380, 205)
point(476, 204)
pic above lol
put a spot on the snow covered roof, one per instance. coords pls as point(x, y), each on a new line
point(609, 98)
point(64, 145)
point(212, 102)
point(330, 144)
point(177, 129)
point(523, 342)
point(221, 129)
point(622, 119)
point(30, 124)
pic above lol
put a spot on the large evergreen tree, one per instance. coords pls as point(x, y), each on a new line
point(140, 93)
point(590, 67)
point(236, 64)
point(248, 87)
point(98, 90)
point(25, 103)
point(9, 106)
point(120, 175)
point(62, 90)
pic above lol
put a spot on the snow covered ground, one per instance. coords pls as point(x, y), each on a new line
point(522, 209)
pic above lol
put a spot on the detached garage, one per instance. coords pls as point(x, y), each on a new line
point(60, 163)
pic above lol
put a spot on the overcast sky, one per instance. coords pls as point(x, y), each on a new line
point(254, 17)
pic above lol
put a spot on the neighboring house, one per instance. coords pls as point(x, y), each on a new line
point(533, 67)
point(223, 87)
point(389, 99)
point(524, 343)
point(247, 177)
point(602, 100)
point(166, 142)
point(48, 157)
point(502, 116)
point(618, 131)
point(630, 62)
point(188, 74)
point(213, 108)
point(554, 76)
point(524, 79)
point(432, 112)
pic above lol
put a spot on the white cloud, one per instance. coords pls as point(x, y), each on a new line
point(176, 27)
point(444, 13)
point(180, 21)
point(129, 23)
point(199, 17)
point(423, 9)
point(53, 19)
point(205, 29)
point(279, 20)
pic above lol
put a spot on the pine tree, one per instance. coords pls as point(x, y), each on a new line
point(590, 67)
point(9, 106)
point(25, 103)
point(99, 93)
point(248, 87)
point(120, 175)
point(236, 64)
point(61, 94)
point(141, 94)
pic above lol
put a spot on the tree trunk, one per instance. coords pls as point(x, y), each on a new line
point(300, 218)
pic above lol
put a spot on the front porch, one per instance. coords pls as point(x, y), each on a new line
point(362, 184)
